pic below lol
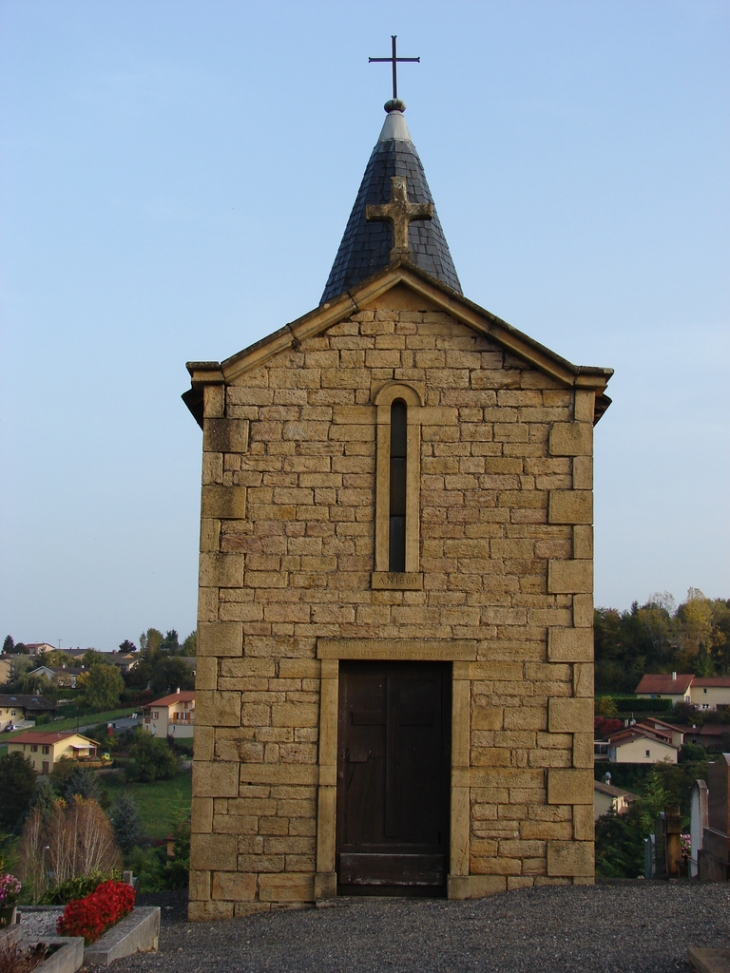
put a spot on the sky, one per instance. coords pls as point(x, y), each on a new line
point(175, 178)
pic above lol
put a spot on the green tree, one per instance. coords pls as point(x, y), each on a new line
point(150, 640)
point(153, 759)
point(653, 799)
point(81, 783)
point(40, 684)
point(93, 658)
point(102, 686)
point(619, 846)
point(171, 642)
point(127, 646)
point(8, 644)
point(606, 706)
point(44, 796)
point(127, 823)
point(170, 673)
point(17, 786)
point(176, 871)
point(189, 646)
point(57, 657)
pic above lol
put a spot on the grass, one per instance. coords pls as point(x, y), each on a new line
point(161, 805)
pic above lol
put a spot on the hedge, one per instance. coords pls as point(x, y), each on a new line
point(627, 704)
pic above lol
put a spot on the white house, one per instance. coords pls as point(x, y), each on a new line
point(608, 798)
point(171, 716)
point(639, 745)
point(710, 692)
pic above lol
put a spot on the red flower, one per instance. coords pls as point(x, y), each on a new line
point(92, 916)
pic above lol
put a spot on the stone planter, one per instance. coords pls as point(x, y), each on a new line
point(67, 959)
point(137, 933)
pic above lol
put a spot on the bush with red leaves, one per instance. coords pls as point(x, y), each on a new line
point(92, 916)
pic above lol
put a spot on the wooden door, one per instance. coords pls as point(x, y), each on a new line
point(393, 778)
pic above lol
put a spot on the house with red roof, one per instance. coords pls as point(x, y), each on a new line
point(704, 692)
point(45, 749)
point(639, 744)
point(171, 716)
point(667, 685)
point(710, 692)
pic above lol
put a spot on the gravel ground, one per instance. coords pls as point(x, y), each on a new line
point(39, 925)
point(627, 927)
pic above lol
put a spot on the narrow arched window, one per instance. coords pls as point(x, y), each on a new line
point(398, 461)
point(397, 476)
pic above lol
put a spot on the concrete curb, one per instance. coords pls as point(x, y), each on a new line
point(67, 959)
point(709, 960)
point(137, 933)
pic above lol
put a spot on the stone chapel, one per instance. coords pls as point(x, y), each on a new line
point(395, 641)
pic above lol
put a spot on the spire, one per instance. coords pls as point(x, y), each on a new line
point(369, 243)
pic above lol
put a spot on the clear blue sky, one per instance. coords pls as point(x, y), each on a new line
point(176, 177)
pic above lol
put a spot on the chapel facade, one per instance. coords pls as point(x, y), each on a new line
point(394, 687)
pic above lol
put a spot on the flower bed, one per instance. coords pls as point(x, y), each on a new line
point(91, 916)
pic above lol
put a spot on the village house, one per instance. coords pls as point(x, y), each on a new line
point(171, 716)
point(17, 709)
point(607, 799)
point(395, 645)
point(62, 676)
point(669, 731)
point(674, 686)
point(710, 692)
point(39, 648)
point(46, 749)
point(704, 692)
point(124, 661)
point(639, 744)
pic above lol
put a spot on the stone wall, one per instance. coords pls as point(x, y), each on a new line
point(287, 547)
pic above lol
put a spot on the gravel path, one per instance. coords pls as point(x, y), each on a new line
point(631, 927)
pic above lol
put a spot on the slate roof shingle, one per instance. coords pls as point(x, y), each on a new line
point(365, 247)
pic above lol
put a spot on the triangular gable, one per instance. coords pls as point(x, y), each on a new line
point(399, 274)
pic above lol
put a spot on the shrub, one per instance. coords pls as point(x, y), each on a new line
point(152, 759)
point(17, 785)
point(636, 704)
point(606, 706)
point(91, 916)
point(81, 783)
point(79, 887)
point(176, 869)
point(15, 958)
point(126, 823)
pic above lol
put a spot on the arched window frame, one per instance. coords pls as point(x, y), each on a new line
point(382, 577)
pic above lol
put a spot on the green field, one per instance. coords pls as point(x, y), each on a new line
point(161, 805)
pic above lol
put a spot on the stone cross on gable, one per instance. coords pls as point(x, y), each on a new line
point(399, 212)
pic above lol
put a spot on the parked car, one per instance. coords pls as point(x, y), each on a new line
point(9, 728)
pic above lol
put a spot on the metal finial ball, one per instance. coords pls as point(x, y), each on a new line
point(395, 104)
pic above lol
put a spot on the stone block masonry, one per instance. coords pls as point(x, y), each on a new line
point(502, 590)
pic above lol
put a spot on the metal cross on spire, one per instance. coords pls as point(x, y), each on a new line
point(399, 213)
point(394, 61)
